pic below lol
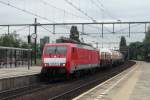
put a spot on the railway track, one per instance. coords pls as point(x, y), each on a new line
point(13, 93)
point(9, 94)
point(66, 89)
point(68, 95)
point(18, 92)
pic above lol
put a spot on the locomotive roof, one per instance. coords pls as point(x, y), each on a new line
point(72, 45)
point(57, 44)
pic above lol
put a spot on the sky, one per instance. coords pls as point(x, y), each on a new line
point(51, 11)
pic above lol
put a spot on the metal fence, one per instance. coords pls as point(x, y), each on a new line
point(15, 57)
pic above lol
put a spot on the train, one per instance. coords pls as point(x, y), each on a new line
point(70, 59)
point(110, 57)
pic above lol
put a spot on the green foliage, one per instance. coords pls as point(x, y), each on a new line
point(9, 41)
point(12, 40)
point(123, 47)
point(38, 50)
point(123, 42)
point(136, 50)
point(141, 49)
point(147, 36)
point(25, 45)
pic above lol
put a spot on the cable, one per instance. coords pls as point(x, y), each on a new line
point(47, 30)
point(96, 5)
point(136, 25)
point(46, 3)
point(2, 28)
point(26, 11)
point(84, 13)
point(104, 9)
point(70, 3)
point(21, 28)
point(31, 13)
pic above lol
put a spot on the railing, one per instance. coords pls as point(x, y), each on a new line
point(15, 57)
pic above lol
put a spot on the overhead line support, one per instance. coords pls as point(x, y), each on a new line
point(145, 27)
point(8, 30)
point(35, 40)
point(82, 28)
point(102, 30)
point(113, 28)
point(129, 29)
point(53, 29)
point(76, 23)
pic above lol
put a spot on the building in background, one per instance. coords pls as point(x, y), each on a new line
point(43, 41)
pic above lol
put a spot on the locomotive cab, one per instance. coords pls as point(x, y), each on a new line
point(54, 59)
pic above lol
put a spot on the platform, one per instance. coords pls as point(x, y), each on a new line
point(132, 84)
point(19, 71)
point(11, 78)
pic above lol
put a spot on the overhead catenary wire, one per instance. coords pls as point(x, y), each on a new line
point(81, 11)
point(26, 11)
point(2, 28)
point(47, 29)
point(23, 28)
point(136, 25)
point(31, 13)
point(47, 3)
point(103, 8)
point(97, 5)
point(20, 29)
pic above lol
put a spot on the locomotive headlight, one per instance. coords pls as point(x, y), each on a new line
point(46, 64)
point(62, 64)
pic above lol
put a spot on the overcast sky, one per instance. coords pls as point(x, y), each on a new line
point(62, 11)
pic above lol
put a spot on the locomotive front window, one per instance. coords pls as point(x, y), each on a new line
point(56, 50)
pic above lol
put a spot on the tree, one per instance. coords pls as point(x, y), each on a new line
point(141, 49)
point(147, 36)
point(12, 40)
point(24, 45)
point(146, 43)
point(9, 40)
point(136, 50)
point(123, 42)
point(124, 48)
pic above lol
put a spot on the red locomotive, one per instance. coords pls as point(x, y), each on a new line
point(68, 58)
